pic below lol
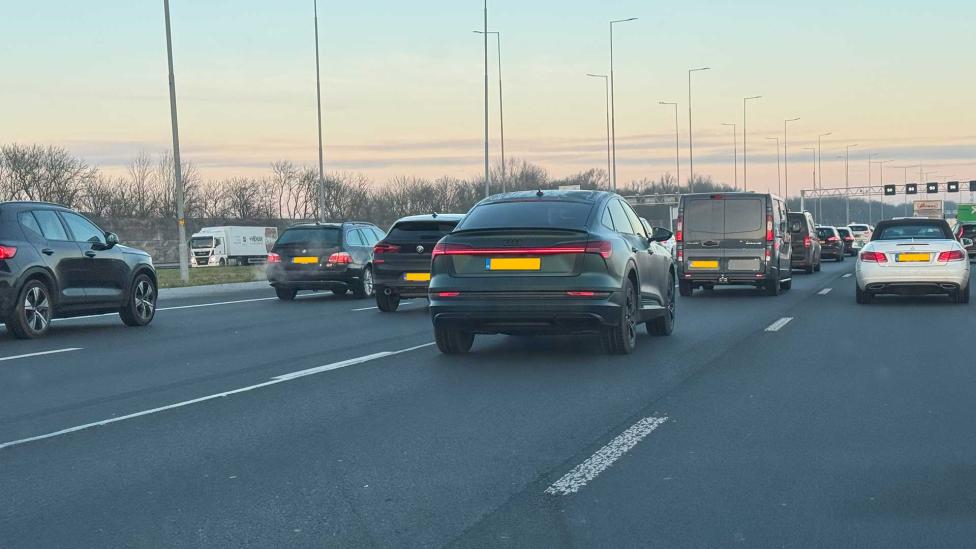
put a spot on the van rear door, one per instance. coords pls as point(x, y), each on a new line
point(724, 233)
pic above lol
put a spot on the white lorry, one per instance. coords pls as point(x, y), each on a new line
point(219, 246)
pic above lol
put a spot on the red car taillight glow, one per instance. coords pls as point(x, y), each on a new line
point(951, 255)
point(383, 248)
point(340, 258)
point(874, 257)
point(679, 233)
point(806, 241)
point(769, 228)
point(274, 258)
point(833, 239)
point(7, 252)
point(602, 247)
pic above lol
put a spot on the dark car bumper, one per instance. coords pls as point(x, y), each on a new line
point(724, 278)
point(320, 280)
point(832, 251)
point(525, 313)
point(396, 284)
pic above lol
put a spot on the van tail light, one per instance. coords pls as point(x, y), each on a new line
point(339, 258)
point(679, 232)
point(874, 257)
point(769, 228)
point(769, 255)
point(951, 255)
point(274, 258)
point(806, 241)
point(681, 256)
point(8, 252)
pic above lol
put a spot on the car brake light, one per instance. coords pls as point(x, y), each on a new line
point(274, 258)
point(806, 241)
point(679, 233)
point(769, 228)
point(833, 239)
point(340, 258)
point(848, 238)
point(383, 248)
point(602, 247)
point(681, 256)
point(951, 255)
point(7, 252)
point(448, 294)
point(874, 257)
point(581, 294)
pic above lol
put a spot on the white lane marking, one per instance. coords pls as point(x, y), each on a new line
point(778, 325)
point(848, 275)
point(825, 291)
point(374, 308)
point(571, 482)
point(273, 381)
point(41, 353)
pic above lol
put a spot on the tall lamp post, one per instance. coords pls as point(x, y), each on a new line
point(318, 104)
point(735, 155)
point(184, 253)
point(745, 137)
point(677, 155)
point(487, 167)
point(820, 159)
point(847, 181)
point(786, 165)
point(691, 146)
point(606, 86)
point(779, 176)
point(501, 102)
point(613, 108)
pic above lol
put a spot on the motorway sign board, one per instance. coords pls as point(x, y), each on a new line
point(966, 212)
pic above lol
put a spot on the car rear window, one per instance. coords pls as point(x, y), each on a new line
point(844, 232)
point(917, 231)
point(310, 237)
point(706, 218)
point(859, 228)
point(797, 223)
point(824, 232)
point(420, 230)
point(535, 214)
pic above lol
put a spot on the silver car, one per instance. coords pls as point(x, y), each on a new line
point(913, 257)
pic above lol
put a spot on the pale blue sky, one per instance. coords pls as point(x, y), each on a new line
point(403, 82)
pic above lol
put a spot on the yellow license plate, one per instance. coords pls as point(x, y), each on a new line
point(513, 264)
point(417, 277)
point(913, 258)
point(305, 260)
point(703, 264)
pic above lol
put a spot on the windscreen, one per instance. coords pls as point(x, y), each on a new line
point(710, 218)
point(201, 242)
point(310, 237)
point(536, 214)
point(915, 231)
point(824, 233)
point(420, 230)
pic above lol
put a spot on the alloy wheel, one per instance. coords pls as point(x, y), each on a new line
point(368, 282)
point(37, 309)
point(630, 315)
point(145, 299)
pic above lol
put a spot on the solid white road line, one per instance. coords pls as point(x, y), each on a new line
point(158, 309)
point(825, 291)
point(778, 325)
point(571, 482)
point(848, 275)
point(41, 353)
point(273, 381)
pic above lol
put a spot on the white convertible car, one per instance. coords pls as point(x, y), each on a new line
point(913, 256)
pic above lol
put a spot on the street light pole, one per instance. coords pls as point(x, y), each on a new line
point(318, 102)
point(487, 168)
point(691, 147)
point(184, 253)
point(820, 159)
point(677, 155)
point(613, 107)
point(786, 165)
point(847, 180)
point(735, 155)
point(745, 165)
point(501, 103)
point(606, 86)
point(779, 176)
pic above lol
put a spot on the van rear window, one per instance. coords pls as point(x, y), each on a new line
point(708, 218)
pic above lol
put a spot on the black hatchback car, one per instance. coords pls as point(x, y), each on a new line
point(402, 259)
point(831, 244)
point(324, 256)
point(551, 262)
point(54, 262)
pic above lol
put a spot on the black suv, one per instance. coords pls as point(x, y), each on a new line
point(56, 263)
point(402, 260)
point(551, 262)
point(324, 256)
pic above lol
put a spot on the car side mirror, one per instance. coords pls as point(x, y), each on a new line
point(111, 240)
point(967, 242)
point(660, 234)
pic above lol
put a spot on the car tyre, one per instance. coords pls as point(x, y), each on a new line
point(786, 285)
point(364, 288)
point(452, 341)
point(31, 316)
point(664, 325)
point(140, 305)
point(684, 288)
point(863, 297)
point(286, 294)
point(773, 285)
point(622, 339)
point(387, 303)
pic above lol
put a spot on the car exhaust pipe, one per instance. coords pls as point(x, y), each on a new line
point(947, 286)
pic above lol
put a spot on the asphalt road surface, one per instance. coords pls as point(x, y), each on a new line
point(239, 421)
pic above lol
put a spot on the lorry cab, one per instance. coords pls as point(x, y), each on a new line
point(221, 246)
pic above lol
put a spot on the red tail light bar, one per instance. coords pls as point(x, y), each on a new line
point(383, 248)
point(874, 257)
point(806, 241)
point(951, 255)
point(679, 233)
point(339, 258)
point(833, 239)
point(602, 247)
point(8, 252)
point(769, 228)
point(274, 258)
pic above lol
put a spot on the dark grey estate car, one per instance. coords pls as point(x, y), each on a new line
point(54, 262)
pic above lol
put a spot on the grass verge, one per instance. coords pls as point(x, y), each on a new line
point(206, 276)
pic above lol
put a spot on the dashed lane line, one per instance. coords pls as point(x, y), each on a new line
point(778, 325)
point(825, 291)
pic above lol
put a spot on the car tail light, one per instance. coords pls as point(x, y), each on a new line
point(951, 255)
point(681, 256)
point(806, 241)
point(7, 252)
point(848, 238)
point(581, 294)
point(833, 239)
point(274, 258)
point(769, 228)
point(769, 255)
point(679, 233)
point(448, 294)
point(874, 257)
point(383, 248)
point(340, 258)
point(602, 247)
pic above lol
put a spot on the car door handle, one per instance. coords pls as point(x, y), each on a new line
point(47, 251)
point(89, 253)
